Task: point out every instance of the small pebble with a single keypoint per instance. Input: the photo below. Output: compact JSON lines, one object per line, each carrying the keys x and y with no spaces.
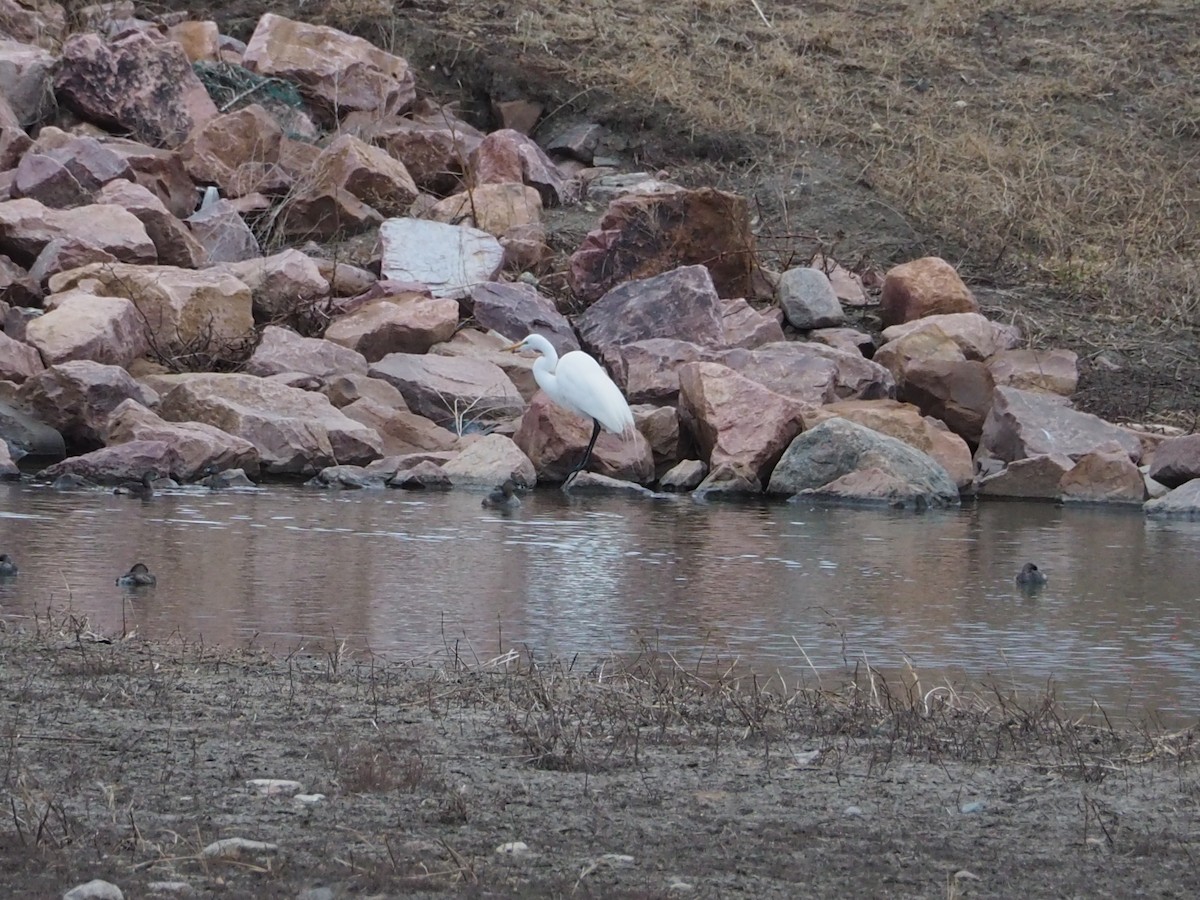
{"x":308,"y":799}
{"x":852,"y":811}
{"x":618,"y":859}
{"x":973,"y":807}
{"x":179,"y":888}
{"x":679,"y":887}
{"x":96,"y":889}
{"x":513,"y":848}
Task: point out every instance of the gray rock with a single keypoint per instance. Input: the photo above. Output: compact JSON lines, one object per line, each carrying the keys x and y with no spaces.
{"x":1183,"y":502}
{"x":449,"y":259}
{"x":684,"y":476}
{"x":96,"y":889}
{"x":1021,"y":424}
{"x":808,"y":299}
{"x":26,"y":436}
{"x":838,"y":448}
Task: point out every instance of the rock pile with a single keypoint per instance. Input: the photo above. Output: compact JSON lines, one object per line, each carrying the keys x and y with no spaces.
{"x":165,"y":195}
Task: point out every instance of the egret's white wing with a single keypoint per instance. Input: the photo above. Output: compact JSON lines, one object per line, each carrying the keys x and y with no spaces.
{"x":584,"y":386}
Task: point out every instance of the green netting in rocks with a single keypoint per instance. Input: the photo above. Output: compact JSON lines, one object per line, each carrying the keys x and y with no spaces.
{"x":232,"y":87}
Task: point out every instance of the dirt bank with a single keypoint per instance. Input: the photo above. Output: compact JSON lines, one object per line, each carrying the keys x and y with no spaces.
{"x":124,"y":760}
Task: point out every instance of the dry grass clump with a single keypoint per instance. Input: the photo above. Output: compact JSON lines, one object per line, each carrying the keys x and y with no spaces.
{"x":1054,"y":141}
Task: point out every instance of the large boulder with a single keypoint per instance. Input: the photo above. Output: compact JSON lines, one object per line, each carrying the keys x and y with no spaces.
{"x":26,"y":227}
{"x":736,"y":420}
{"x":924,"y":287}
{"x":748,"y":328}
{"x":120,"y":463}
{"x":491,"y":460}
{"x":296,"y":432}
{"x":77,"y":397}
{"x":234,"y":150}
{"x":808,"y":300}
{"x":643,"y":235}
{"x":134,"y":84}
{"x":183,"y":309}
{"x":1049,"y":371}
{"x":282,"y":350}
{"x":494,"y":208}
{"x":26,"y":435}
{"x":681,"y":304}
{"x":1183,"y":502}
{"x":959,"y":392}
{"x":194,"y":445}
{"x":399,"y":321}
{"x":1177,"y":460}
{"x":851,"y":462}
{"x":516,"y":310}
{"x":452,"y":391}
{"x":1033,"y":478}
{"x":976,"y":335}
{"x":555,"y":440}
{"x":81,"y":325}
{"x":284,"y":284}
{"x":1106,"y":475}
{"x":507,"y":156}
{"x":337,"y":71}
{"x":172,"y":240}
{"x":401,"y":431}
{"x":18,"y":360}
{"x":1021,"y":424}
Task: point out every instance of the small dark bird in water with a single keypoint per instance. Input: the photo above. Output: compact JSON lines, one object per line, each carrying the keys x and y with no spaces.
{"x":503,"y":497}
{"x":143,"y":488}
{"x":7,"y":566}
{"x":137,"y":576}
{"x":1031,"y":576}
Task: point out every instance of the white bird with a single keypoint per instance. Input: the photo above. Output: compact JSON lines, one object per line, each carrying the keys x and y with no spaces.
{"x":579,"y":384}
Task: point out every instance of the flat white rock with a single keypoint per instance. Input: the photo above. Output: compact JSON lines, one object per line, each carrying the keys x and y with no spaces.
{"x":449,"y":259}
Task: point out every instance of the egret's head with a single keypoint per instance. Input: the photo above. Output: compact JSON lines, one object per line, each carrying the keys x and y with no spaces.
{"x":534,"y":342}
{"x":518,"y":347}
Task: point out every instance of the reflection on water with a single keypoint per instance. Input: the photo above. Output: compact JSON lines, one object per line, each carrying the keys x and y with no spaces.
{"x":779,"y":587}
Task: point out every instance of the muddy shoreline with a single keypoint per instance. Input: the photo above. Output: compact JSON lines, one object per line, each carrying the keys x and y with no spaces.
{"x":125,"y":759}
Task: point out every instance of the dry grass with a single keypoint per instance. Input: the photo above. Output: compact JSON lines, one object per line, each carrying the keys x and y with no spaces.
{"x":1051,"y":141}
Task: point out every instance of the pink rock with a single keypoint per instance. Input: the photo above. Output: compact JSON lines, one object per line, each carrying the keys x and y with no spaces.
{"x":201,"y":41}
{"x":229,"y":150}
{"x":1033,"y":478}
{"x":282,"y":350}
{"x":958,"y":393}
{"x":27,"y":226}
{"x":1106,"y":475}
{"x":284,"y":284}
{"x":494,"y":208}
{"x":18,"y":360}
{"x":1026,"y":423}
{"x":172,"y":240}
{"x":1049,"y":371}
{"x":515,"y":310}
{"x":294,"y":431}
{"x":134,"y":84}
{"x":351,"y":166}
{"x":555,"y":439}
{"x":194,"y":445}
{"x":976,"y":336}
{"x":509,"y":156}
{"x":491,"y":460}
{"x":1177,"y":460}
{"x":747,"y":327}
{"x":681,"y":304}
{"x":518,"y":115}
{"x":924,"y":287}
{"x":83,"y":326}
{"x":64,"y":253}
{"x":161,"y":172}
{"x":338,"y":71}
{"x":77,"y":397}
{"x":123,"y":462}
{"x":401,"y":431}
{"x":406,"y":322}
{"x":643,"y":235}
{"x":735,"y":420}
{"x":49,"y":182}
{"x":452,"y":391}
{"x":434,"y":148}
{"x":26,"y":76}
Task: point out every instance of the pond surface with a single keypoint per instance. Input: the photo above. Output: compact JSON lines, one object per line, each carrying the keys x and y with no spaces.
{"x":808,"y":592}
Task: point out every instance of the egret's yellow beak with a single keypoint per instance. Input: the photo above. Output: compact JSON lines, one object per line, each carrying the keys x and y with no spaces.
{"x":512,"y":348}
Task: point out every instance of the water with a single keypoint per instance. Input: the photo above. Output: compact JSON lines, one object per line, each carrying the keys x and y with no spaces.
{"x":804,"y":591}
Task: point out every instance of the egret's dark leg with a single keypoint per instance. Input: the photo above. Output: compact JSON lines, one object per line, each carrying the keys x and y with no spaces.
{"x":587,"y":454}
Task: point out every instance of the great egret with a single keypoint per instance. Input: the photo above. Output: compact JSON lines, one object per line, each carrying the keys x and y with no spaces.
{"x":503,"y":497}
{"x":1031,"y":576}
{"x":579,"y":384}
{"x":7,"y":566}
{"x":137,"y":576}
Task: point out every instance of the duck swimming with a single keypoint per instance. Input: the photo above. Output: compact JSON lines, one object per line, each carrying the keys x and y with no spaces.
{"x":137,"y":576}
{"x":143,"y":488}
{"x":1031,"y":576}
{"x":7,"y":566}
{"x":503,"y":497}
